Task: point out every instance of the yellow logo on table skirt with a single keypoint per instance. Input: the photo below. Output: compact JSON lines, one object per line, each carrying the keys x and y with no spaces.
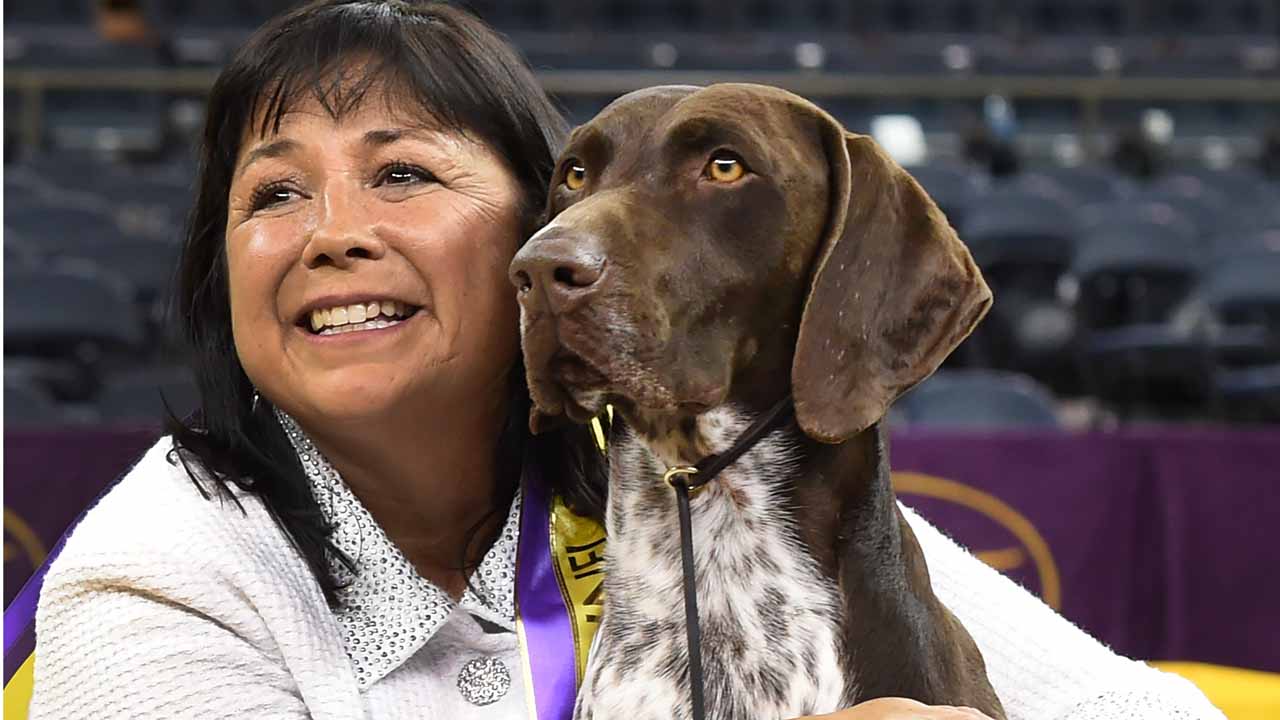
{"x":22,"y":547}
{"x":1016,"y":548}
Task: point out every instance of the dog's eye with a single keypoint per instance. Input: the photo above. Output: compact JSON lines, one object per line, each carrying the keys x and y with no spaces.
{"x":725,"y":167}
{"x":575,"y":175}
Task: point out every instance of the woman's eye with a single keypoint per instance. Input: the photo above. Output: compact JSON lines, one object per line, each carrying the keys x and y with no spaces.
{"x":575,"y":175}
{"x":271,"y":196}
{"x":404,"y":175}
{"x":725,"y":167}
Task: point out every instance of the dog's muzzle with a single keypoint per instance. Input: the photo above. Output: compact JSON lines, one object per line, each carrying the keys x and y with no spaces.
{"x":558,"y":271}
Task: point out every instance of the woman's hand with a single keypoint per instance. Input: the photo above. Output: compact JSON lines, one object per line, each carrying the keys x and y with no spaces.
{"x":902,"y":709}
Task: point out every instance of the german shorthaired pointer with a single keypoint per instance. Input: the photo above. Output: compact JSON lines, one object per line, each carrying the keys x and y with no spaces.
{"x":709,"y":250}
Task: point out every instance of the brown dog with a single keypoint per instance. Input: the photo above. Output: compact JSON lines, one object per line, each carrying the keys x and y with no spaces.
{"x":708,"y":251}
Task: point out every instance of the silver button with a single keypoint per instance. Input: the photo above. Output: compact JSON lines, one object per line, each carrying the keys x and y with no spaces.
{"x":484,"y":681}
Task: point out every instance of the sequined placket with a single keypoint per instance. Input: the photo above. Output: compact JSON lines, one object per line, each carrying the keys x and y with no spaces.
{"x":387,"y":611}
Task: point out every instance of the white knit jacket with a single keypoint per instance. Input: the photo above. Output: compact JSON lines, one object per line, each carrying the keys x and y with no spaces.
{"x":166,"y":605}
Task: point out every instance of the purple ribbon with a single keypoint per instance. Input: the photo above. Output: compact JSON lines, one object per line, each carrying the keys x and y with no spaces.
{"x":20,"y":622}
{"x":540,"y":606}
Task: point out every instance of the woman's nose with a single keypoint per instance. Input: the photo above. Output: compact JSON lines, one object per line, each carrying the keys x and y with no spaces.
{"x":342,"y":235}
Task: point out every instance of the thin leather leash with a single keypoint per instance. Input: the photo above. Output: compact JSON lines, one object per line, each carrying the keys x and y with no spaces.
{"x":686,"y":480}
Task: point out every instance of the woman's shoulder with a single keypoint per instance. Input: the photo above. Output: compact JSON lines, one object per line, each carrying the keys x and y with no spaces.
{"x":167,"y":509}
{"x":164,"y":596}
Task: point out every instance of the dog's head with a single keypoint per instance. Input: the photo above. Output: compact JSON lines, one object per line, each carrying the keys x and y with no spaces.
{"x":703,"y":243}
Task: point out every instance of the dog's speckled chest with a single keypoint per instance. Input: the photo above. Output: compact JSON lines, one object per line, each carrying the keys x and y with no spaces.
{"x":770,"y":619}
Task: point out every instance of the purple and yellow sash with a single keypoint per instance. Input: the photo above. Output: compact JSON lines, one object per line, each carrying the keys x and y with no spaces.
{"x":559,"y":574}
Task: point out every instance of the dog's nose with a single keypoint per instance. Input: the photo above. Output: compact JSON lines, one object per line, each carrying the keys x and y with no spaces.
{"x":563,"y":269}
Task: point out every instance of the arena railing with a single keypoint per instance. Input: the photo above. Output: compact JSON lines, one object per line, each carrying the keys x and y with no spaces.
{"x":1088,"y":92}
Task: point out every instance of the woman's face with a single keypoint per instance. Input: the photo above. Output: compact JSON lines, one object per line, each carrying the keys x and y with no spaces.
{"x":367,"y":260}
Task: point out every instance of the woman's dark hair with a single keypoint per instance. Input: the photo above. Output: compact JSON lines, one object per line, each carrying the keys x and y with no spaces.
{"x":436,"y":62}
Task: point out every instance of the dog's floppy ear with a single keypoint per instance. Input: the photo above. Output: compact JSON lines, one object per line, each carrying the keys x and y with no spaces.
{"x":894,"y":291}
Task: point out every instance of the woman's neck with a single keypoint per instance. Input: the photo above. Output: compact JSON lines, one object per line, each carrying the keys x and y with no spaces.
{"x":430,"y":484}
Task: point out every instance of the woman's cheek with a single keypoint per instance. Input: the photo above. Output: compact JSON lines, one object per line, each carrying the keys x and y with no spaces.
{"x":257,"y":265}
{"x":506,"y":307}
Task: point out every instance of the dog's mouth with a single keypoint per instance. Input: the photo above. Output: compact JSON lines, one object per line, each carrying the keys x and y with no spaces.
{"x":573,"y":372}
{"x":577,"y":366}
{"x":581,"y":386}
{"x":569,"y":381}
{"x":583,"y":389}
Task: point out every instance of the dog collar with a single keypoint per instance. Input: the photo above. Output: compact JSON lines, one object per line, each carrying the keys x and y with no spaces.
{"x":686,"y":480}
{"x":697,"y":476}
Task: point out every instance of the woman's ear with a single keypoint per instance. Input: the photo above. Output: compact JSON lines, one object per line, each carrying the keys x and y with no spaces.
{"x":894,"y":291}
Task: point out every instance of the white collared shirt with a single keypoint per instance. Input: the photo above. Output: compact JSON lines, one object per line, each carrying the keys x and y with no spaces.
{"x":168,"y":603}
{"x":400,"y":629}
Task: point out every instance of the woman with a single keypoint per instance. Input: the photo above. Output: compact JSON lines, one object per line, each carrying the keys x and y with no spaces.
{"x":348,"y":550}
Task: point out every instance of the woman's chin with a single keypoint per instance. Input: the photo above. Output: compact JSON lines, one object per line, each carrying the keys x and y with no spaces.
{"x":346,"y":404}
{"x":351,"y":415}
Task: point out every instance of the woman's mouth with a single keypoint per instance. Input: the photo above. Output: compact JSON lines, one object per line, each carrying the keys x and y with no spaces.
{"x":368,"y":315}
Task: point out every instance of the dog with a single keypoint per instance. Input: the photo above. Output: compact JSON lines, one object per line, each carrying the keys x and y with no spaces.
{"x":705,"y":252}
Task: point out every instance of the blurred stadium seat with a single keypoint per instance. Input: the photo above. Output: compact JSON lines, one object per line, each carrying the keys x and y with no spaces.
{"x":53,"y":229}
{"x":147,"y":395}
{"x":75,"y":315}
{"x":1243,"y":294}
{"x":1135,"y":350}
{"x":1205,"y":207}
{"x":1235,"y":242}
{"x":1077,"y":185}
{"x":52,"y":12}
{"x":1017,"y":226}
{"x":979,"y":400}
{"x":1137,"y":218}
{"x":53,"y":308}
{"x":27,"y":404}
{"x":147,"y":266}
{"x":953,"y":187}
{"x":1024,"y":242}
{"x":1250,"y":394}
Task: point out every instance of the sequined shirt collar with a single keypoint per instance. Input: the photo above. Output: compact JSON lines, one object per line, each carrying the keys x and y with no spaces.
{"x":387,"y":610}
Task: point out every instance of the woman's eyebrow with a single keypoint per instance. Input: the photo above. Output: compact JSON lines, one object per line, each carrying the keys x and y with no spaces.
{"x":270,"y":150}
{"x":389,"y":135}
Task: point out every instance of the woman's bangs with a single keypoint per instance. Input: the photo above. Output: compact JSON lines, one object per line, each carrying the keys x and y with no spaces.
{"x":353,"y":54}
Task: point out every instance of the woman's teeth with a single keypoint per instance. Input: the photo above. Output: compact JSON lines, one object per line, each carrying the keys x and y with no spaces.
{"x":362,"y":316}
{"x":367,"y":325}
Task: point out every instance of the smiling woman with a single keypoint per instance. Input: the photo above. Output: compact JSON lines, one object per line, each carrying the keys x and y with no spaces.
{"x":362,"y":154}
{"x":368,"y":170}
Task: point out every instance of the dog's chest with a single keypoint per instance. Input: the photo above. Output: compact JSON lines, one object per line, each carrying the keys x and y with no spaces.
{"x":769,"y":617}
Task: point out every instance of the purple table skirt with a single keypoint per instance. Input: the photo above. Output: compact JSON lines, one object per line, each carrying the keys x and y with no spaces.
{"x":1164,"y":543}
